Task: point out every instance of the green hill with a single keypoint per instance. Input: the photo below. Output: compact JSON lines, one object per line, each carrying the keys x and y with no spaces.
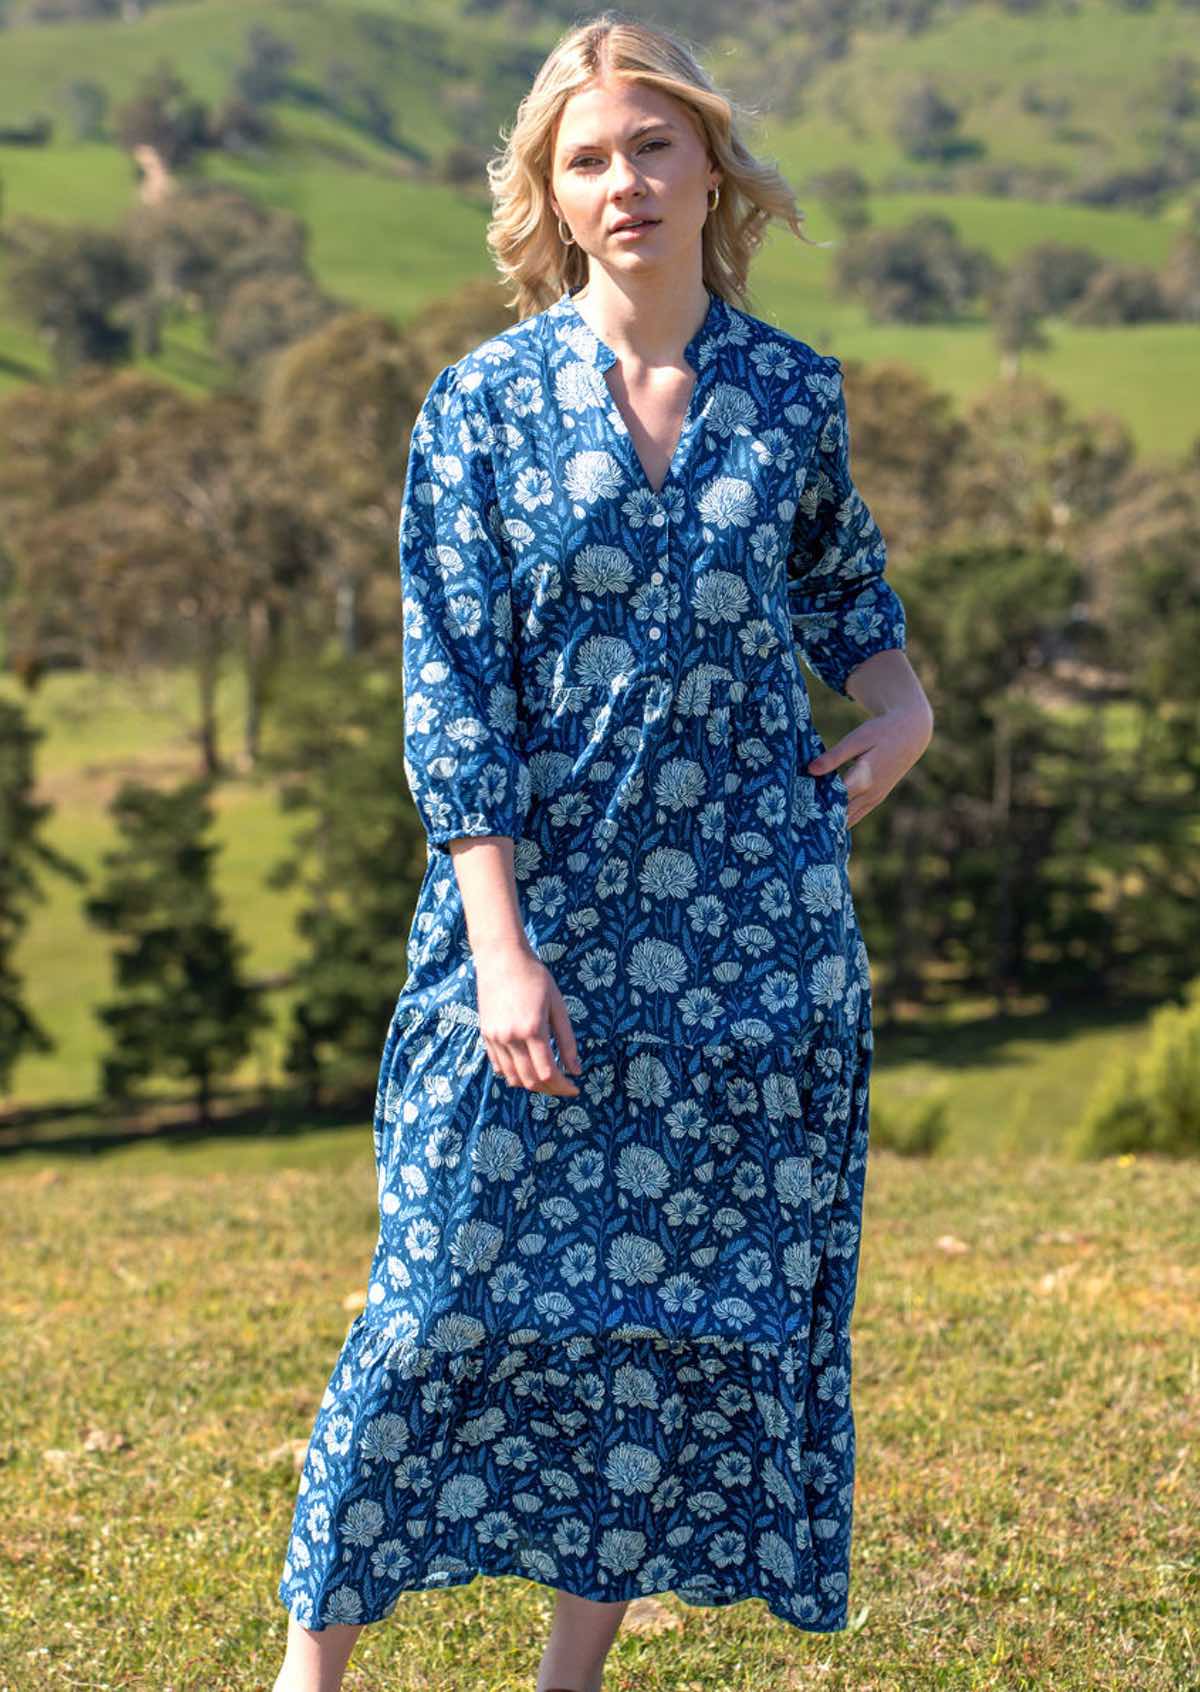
{"x":386,"y":233}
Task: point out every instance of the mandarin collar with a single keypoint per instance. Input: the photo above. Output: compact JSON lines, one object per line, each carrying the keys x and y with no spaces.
{"x":714,"y":320}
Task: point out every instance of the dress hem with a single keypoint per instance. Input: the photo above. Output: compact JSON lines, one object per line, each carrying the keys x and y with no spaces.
{"x":501,"y":1568}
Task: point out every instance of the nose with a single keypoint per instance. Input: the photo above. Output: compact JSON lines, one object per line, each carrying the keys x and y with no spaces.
{"x":624,"y":174}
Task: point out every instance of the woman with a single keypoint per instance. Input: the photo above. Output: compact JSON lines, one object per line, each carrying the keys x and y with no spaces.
{"x":621,"y":1126}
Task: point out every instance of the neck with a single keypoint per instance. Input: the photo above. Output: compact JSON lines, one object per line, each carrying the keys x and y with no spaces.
{"x":644,"y":321}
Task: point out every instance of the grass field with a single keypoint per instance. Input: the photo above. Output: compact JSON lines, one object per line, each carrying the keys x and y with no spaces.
{"x":1027,"y":1347}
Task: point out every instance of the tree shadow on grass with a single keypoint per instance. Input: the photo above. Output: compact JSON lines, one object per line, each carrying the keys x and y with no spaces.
{"x":17,"y":367}
{"x":81,"y":1131}
{"x":989,"y":1040}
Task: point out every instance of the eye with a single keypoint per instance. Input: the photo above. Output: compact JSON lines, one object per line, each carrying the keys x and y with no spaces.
{"x":590,"y":158}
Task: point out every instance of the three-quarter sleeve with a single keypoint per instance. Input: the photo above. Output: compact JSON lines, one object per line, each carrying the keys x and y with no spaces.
{"x":461,"y":754}
{"x":842,"y":609}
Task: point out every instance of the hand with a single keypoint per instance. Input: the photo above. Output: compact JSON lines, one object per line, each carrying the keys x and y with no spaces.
{"x":884,"y":748}
{"x":519,"y":1006}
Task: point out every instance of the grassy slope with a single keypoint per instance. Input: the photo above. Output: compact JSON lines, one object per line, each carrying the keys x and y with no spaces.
{"x":1025,"y":1413}
{"x":392,"y":244}
{"x":1106,"y":61}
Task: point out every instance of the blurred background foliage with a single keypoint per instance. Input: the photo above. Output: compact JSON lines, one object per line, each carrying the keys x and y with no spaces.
{"x":236,"y":244}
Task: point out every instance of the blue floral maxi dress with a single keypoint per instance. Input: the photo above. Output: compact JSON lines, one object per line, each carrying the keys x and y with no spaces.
{"x":605,"y":1344}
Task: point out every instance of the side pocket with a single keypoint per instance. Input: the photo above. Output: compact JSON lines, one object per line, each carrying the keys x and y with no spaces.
{"x":832,"y":785}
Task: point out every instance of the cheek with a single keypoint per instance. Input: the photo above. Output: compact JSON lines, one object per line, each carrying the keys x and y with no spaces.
{"x":576,"y":203}
{"x":689,"y":182}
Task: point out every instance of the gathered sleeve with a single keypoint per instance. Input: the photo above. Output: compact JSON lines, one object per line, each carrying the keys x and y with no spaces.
{"x":841,"y":608}
{"x":461,"y":747}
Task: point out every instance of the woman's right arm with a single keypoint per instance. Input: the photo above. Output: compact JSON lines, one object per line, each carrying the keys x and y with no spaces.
{"x":519,"y":1001}
{"x":462,"y":756}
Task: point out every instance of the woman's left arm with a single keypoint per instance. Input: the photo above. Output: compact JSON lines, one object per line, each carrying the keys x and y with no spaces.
{"x":889,"y":742}
{"x":849,"y":621}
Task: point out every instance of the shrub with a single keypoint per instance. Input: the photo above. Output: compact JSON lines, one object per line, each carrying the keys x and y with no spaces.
{"x":1150,"y":1100}
{"x":916,"y":1131}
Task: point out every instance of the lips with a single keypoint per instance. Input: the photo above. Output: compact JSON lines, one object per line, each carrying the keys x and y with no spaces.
{"x":634,"y":223}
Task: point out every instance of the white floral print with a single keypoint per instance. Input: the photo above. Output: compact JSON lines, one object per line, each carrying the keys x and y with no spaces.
{"x":605,"y":1343}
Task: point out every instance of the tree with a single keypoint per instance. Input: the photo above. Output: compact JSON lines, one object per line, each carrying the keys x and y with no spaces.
{"x":22,"y":818}
{"x":463,"y":165}
{"x":1181,"y":275}
{"x":264,"y":313}
{"x":1051,"y":275}
{"x":64,"y":11}
{"x":336,"y":756}
{"x":1147,"y":1099}
{"x":919,"y":273}
{"x":926,"y":124}
{"x":844,"y":191}
{"x":242,"y":127}
{"x":86,"y":103}
{"x":337,"y":408}
{"x":964,"y":860}
{"x":1179,"y":91}
{"x":147,"y":529}
{"x":182,"y":1007}
{"x":262,"y":75}
{"x":907,"y":440}
{"x":1122,"y":293}
{"x":1029,"y":472}
{"x":164,"y":115}
{"x":359,"y":101}
{"x":208,"y":566}
{"x":72,"y":285}
{"x":61,"y":449}
{"x":1015,"y":324}
{"x":206,"y":239}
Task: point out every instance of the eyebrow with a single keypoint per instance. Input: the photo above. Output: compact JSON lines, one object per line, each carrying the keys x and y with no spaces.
{"x":656,"y":123}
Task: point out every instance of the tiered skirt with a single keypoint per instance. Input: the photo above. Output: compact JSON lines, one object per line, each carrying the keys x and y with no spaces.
{"x":606,"y":1341}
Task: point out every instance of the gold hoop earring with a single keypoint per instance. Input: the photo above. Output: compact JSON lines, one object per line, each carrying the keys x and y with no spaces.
{"x":713,"y":204}
{"x":568,"y":240}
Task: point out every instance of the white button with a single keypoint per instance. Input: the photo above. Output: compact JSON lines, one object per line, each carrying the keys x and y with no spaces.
{"x":657,"y":576}
{"x":654,"y":633}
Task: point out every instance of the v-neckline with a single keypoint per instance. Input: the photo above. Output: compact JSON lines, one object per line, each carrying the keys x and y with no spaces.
{"x":605,"y":357}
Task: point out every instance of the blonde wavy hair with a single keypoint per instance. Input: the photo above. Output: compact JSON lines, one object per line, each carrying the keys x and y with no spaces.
{"x":522,"y":235}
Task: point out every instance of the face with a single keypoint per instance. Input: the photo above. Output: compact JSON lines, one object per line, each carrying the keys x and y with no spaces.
{"x":623,"y":150}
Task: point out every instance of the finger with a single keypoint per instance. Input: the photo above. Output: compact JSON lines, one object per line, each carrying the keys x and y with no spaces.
{"x":501,"y":1061}
{"x":549,"y":1078}
{"x":834,"y":756}
{"x":560,"y":1024}
{"x":856,"y":813}
{"x":509,"y":1050}
{"x":522,"y":1061}
{"x":513,"y":1059}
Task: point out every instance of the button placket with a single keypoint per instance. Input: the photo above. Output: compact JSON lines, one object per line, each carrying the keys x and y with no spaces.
{"x":658,"y":553}
{"x":665,"y":559}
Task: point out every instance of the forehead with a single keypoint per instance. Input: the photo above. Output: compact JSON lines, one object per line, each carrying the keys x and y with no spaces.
{"x":615,"y":109}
